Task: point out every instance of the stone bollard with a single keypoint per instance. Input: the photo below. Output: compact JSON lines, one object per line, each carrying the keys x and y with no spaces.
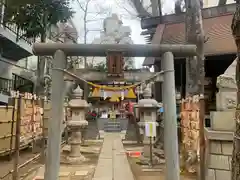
{"x":147,"y":108}
{"x":77,"y":124}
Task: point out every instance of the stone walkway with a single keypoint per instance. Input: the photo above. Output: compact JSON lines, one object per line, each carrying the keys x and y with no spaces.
{"x":113,"y":163}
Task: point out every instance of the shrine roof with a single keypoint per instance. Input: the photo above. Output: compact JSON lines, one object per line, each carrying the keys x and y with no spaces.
{"x":218,"y":35}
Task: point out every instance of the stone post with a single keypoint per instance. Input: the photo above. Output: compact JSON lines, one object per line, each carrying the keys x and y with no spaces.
{"x":148,"y":113}
{"x":76,"y":125}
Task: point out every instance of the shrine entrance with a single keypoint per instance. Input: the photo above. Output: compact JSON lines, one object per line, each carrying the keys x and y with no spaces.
{"x":115,"y":53}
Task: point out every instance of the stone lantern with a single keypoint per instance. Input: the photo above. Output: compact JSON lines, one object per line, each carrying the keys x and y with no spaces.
{"x":76,"y":125}
{"x":147,"y":110}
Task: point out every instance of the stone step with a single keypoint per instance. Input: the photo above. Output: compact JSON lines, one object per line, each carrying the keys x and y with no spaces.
{"x":112,"y":127}
{"x":112,"y":124}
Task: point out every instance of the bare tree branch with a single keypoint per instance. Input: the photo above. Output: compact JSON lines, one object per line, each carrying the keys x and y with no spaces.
{"x":81,"y":6}
{"x":142,"y":12}
{"x":129,"y":12}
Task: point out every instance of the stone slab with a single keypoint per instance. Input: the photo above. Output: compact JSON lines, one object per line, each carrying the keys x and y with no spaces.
{"x":227,"y":148}
{"x":219,"y":162}
{"x":152,"y":169}
{"x":80,"y":175}
{"x":222,"y":120}
{"x":62,"y":176}
{"x":218,"y":135}
{"x":223,"y":175}
{"x":113,"y":163}
{"x":210,"y":174}
{"x":215,"y":147}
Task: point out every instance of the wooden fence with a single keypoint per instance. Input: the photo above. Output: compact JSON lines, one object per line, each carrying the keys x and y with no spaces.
{"x":30,"y":116}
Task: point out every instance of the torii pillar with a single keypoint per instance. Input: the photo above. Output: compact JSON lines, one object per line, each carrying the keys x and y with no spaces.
{"x":60,"y":53}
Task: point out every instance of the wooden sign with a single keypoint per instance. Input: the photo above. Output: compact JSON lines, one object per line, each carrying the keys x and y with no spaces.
{"x":115,"y":64}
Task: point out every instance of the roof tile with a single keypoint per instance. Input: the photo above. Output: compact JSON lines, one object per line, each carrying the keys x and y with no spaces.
{"x":217,"y":32}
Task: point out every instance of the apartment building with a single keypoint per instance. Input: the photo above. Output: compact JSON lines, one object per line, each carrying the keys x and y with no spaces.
{"x":17,"y":49}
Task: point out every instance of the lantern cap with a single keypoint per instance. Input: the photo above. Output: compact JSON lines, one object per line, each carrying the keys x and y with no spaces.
{"x":148,"y":102}
{"x":147,"y":93}
{"x":78,"y":93}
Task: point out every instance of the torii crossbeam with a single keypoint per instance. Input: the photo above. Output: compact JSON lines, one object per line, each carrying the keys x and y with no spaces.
{"x":61,"y":51}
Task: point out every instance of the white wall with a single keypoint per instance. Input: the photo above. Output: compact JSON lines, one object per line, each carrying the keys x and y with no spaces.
{"x":212,"y":3}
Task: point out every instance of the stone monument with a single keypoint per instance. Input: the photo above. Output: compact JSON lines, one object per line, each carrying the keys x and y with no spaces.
{"x":220,"y":135}
{"x":114,"y":33}
{"x":77,"y":124}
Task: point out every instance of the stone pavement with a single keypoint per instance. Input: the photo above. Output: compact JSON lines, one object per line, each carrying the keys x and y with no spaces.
{"x":113,"y":163}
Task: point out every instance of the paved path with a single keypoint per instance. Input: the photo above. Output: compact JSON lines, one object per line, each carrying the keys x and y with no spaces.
{"x":113,"y":163}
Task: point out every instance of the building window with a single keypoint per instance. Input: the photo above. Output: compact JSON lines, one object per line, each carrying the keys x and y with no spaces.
{"x":5,"y":85}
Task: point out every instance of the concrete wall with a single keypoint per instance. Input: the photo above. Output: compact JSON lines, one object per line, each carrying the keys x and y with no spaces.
{"x":219,"y":145}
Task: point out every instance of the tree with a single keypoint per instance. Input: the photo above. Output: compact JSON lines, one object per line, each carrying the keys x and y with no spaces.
{"x":35,"y":18}
{"x":101,"y":67}
{"x":236,"y":145}
{"x":91,"y":16}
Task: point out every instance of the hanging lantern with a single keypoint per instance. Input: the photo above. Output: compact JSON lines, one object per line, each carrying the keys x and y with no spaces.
{"x":131,"y":94}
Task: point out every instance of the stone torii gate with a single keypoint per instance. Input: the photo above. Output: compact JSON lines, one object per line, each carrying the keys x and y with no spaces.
{"x":60,"y":53}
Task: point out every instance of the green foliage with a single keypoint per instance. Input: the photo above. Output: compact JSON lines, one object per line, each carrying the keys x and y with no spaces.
{"x":36,"y":16}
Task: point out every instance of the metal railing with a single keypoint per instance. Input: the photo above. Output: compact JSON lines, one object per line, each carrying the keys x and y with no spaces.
{"x":13,"y":28}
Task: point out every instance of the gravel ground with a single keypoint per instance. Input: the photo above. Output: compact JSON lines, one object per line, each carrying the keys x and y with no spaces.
{"x":141,"y":175}
{"x":7,"y":165}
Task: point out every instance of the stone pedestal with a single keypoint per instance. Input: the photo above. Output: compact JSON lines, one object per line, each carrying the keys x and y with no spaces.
{"x":220,"y":145}
{"x":75,"y":141}
{"x":219,"y":154}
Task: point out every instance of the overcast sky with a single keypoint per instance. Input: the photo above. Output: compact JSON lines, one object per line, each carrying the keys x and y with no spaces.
{"x":125,"y":12}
